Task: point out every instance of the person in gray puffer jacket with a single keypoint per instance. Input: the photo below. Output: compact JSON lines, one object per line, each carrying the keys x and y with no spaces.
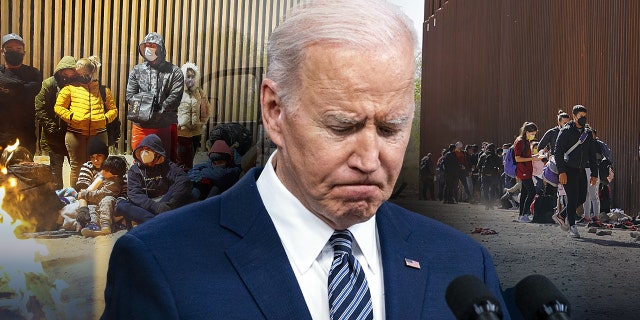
{"x":165,"y":80}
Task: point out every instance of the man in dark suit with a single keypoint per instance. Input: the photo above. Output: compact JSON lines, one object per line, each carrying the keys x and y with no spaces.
{"x":337,"y":101}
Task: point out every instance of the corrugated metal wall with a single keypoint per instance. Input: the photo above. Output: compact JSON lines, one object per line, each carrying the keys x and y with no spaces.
{"x":493,"y":64}
{"x":226,"y":39}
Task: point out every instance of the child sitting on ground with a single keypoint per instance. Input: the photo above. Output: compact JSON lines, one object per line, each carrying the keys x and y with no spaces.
{"x":95,"y":205}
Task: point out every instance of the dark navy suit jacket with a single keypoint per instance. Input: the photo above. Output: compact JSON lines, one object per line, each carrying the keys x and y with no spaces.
{"x":221,"y":258}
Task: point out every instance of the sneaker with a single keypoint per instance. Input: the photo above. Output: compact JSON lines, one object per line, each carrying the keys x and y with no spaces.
{"x":94,"y":232}
{"x":524,"y":218}
{"x":562,"y":222}
{"x":573,"y":232}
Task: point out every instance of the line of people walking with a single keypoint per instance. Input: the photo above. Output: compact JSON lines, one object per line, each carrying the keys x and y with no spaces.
{"x":567,"y":172}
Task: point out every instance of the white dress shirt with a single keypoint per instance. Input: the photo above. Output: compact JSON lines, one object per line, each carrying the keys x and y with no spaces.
{"x":305,"y":238}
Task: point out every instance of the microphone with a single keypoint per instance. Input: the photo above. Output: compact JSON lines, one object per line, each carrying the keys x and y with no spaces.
{"x":469,"y":299}
{"x":538,"y":299}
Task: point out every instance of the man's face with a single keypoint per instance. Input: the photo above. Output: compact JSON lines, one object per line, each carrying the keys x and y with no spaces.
{"x":342,"y":142}
{"x":576,"y":117}
{"x":10,"y":50}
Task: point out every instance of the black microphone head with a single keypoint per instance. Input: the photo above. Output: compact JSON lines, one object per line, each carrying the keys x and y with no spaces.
{"x":537,"y":298}
{"x":467,"y":297}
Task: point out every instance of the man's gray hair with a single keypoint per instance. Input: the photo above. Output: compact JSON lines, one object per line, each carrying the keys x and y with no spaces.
{"x":359,"y":24}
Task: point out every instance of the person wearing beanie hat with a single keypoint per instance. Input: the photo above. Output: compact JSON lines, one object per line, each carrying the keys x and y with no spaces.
{"x":19,"y":84}
{"x":97,"y":152}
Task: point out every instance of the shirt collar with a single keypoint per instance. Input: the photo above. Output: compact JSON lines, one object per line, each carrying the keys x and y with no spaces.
{"x":302,"y":233}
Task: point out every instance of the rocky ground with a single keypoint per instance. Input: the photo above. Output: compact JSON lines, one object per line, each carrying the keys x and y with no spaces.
{"x":596,"y":273}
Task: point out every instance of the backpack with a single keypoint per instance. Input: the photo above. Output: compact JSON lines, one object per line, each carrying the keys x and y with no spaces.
{"x":113,"y":127}
{"x":232,"y":133}
{"x":510,"y":163}
{"x":491,"y":164}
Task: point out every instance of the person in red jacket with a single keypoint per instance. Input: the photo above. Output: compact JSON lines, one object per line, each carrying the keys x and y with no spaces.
{"x":524,"y":168}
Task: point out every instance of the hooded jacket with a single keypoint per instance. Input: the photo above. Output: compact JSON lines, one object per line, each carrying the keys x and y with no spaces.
{"x":53,"y":127}
{"x":582,"y":156}
{"x":161,"y":78}
{"x":206,"y":175}
{"x":144,"y":183}
{"x":194,"y":106}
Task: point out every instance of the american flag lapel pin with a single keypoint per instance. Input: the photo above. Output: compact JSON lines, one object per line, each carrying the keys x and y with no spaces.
{"x":411,"y":263}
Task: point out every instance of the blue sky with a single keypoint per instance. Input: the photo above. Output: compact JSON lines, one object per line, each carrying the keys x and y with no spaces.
{"x":415,"y":10}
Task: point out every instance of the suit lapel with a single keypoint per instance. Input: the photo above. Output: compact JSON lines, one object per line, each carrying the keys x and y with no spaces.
{"x":403,"y":284}
{"x":259,"y":257}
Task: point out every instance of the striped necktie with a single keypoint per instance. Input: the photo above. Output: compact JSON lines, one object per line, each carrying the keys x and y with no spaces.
{"x":349,"y":296}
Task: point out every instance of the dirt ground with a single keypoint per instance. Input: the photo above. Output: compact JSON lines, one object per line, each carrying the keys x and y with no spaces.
{"x":596,"y":273}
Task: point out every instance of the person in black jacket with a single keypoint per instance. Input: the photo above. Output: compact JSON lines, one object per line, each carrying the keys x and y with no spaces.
{"x":489,"y":167}
{"x":571,"y":166}
{"x":19,"y":84}
{"x":154,"y":183}
{"x":451,"y":174}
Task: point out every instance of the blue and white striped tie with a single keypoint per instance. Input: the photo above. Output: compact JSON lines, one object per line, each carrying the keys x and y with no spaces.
{"x":349,"y":296}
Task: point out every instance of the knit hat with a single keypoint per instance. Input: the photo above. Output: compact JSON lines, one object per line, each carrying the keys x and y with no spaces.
{"x":97,"y":146}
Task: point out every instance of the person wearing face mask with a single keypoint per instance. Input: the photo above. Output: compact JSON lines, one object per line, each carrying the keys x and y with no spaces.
{"x":524,"y":169}
{"x":192,"y":116}
{"x":81,"y":106}
{"x":53,"y":128}
{"x":155,"y":184}
{"x":19,"y":84}
{"x":575,"y":149}
{"x":165,"y":81}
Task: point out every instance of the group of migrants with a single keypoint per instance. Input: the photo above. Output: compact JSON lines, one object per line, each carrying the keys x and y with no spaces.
{"x":564,"y":177}
{"x":76,"y":117}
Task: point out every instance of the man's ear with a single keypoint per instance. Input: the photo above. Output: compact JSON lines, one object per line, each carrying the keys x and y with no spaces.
{"x":272,"y":110}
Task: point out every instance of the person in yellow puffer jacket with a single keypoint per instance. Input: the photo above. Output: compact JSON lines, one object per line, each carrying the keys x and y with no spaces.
{"x":80,"y":105}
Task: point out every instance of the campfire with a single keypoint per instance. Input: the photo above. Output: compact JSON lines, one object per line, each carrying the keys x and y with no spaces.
{"x":26,"y":292}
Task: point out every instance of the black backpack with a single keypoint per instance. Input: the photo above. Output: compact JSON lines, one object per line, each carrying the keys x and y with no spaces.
{"x":491,"y":166}
{"x":232,"y":133}
{"x":113,"y":127}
